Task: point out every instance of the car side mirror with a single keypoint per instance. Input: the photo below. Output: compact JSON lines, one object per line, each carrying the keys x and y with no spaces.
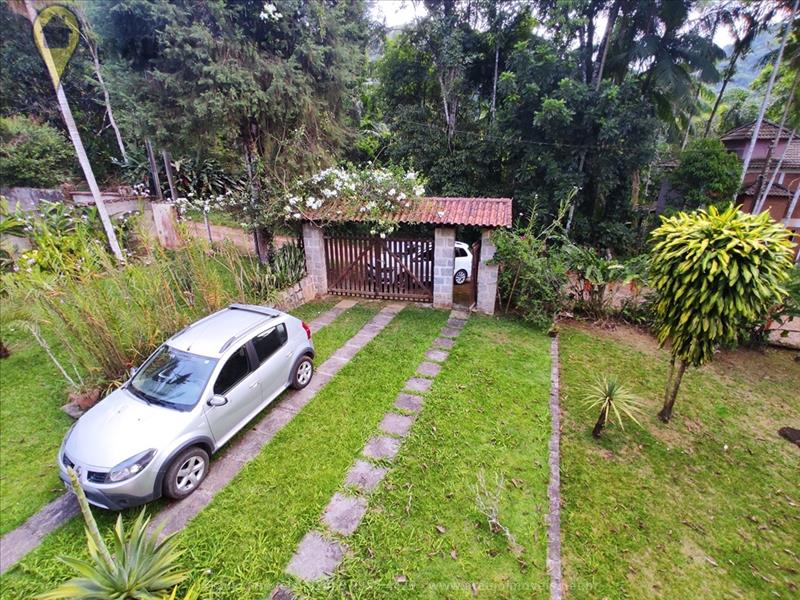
{"x":217,"y":400}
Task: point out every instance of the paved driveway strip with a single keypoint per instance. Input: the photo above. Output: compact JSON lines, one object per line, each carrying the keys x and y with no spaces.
{"x":320,"y":551}
{"x":15,"y":544}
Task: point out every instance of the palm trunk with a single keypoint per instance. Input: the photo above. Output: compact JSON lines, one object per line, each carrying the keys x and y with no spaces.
{"x":494,"y":79}
{"x":792,"y":206}
{"x":106,"y":98}
{"x":601,"y":421}
{"x":671,"y":393}
{"x":775,"y":67}
{"x":72,"y":128}
{"x":762,"y":199}
{"x":726,"y":79}
{"x":775,"y":141}
{"x":597,"y":76}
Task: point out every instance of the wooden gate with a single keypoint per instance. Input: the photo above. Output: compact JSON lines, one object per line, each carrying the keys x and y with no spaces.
{"x":394,"y":268}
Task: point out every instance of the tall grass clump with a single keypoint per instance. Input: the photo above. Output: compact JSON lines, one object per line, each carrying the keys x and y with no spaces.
{"x":110,"y":321}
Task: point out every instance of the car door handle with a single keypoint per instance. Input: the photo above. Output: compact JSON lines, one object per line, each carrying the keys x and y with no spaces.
{"x":253,"y":385}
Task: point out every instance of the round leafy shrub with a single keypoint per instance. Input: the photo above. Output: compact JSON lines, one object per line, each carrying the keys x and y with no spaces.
{"x":33,"y":154}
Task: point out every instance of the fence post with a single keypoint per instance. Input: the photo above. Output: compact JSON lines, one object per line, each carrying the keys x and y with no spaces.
{"x":314,"y":245}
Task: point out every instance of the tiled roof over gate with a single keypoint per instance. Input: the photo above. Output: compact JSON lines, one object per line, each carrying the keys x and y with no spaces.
{"x":480,"y":212}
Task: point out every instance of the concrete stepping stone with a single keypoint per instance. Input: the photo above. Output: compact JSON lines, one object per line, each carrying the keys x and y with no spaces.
{"x":437,"y":355}
{"x":408,"y":402}
{"x":365,"y":476}
{"x":346,"y":303}
{"x":418,"y":384}
{"x":459,"y":314}
{"x":428,"y":369}
{"x":395,"y":424}
{"x":316,"y":557}
{"x":441,"y":342}
{"x":344,"y":513}
{"x":382,"y":447}
{"x":456,"y":323}
{"x":450,"y":332}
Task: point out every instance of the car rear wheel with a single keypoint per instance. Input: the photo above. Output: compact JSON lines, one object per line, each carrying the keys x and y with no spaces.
{"x":460,"y":277}
{"x":303,"y":372}
{"x":186,"y":473}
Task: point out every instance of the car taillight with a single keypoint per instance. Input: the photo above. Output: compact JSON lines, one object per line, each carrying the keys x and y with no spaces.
{"x":308,"y":329}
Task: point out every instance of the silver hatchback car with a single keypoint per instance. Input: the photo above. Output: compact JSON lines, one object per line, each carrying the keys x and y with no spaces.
{"x":155,"y":434}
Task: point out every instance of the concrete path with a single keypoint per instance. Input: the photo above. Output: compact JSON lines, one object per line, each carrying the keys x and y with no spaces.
{"x":554,"y":487}
{"x":321,"y":551}
{"x":15,"y":544}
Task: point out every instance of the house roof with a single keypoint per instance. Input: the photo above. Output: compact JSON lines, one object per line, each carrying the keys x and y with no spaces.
{"x":480,"y":212}
{"x":745,"y":132}
{"x":776,"y":191}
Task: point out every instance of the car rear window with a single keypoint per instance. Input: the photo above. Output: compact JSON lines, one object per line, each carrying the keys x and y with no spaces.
{"x":268,"y":343}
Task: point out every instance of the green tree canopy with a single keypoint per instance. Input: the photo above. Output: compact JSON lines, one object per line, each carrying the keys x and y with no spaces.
{"x":707,"y":173}
{"x":714,"y":272}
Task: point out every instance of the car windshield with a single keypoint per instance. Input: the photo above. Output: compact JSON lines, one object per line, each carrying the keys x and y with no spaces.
{"x":172,"y":378}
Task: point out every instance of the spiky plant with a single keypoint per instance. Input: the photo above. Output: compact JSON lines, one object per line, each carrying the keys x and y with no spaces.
{"x":609,"y":395}
{"x":140,"y":567}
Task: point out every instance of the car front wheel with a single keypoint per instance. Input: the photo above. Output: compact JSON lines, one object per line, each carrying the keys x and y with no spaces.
{"x":302,"y":373}
{"x":460,"y":277}
{"x":186,"y":473}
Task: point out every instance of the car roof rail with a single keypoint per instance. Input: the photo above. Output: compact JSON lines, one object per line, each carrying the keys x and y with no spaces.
{"x":262,"y":310}
{"x":227,"y":344}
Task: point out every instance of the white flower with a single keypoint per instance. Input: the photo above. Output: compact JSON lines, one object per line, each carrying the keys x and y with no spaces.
{"x":296,"y":215}
{"x":392,"y":192}
{"x":383,"y":235}
{"x":407,"y":204}
{"x":419,"y":190}
{"x":270,"y":13}
{"x":440,"y":213}
{"x":401,"y":196}
{"x":411,"y":175}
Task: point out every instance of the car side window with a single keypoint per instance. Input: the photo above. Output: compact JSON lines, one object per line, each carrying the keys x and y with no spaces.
{"x":268,"y":343}
{"x":460,"y":253}
{"x":233,"y":371}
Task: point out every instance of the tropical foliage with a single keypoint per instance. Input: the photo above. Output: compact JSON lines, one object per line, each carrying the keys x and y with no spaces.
{"x":34,"y":154}
{"x":613,"y":400}
{"x":706,"y":174}
{"x":137,"y":565}
{"x":714,"y":271}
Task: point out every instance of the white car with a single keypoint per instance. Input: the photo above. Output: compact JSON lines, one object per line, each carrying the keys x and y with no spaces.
{"x":462,"y":269}
{"x":391,"y":270}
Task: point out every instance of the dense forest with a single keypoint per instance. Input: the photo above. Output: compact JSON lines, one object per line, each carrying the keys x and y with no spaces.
{"x":483,"y":97}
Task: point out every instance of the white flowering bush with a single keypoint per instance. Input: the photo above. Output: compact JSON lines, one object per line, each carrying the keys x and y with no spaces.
{"x":270,"y":12}
{"x":372,"y":194}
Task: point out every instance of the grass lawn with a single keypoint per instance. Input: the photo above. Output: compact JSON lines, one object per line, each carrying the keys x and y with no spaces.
{"x":707,"y":506}
{"x":487,"y":412}
{"x":239,"y":545}
{"x":32,"y":393}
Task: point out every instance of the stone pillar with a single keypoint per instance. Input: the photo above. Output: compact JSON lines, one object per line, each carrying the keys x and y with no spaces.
{"x":314,"y":246}
{"x":443,"y":264}
{"x":487,"y":275}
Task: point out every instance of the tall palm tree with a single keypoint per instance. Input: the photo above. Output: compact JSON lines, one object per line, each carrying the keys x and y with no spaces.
{"x":72,"y":129}
{"x":776,"y":66}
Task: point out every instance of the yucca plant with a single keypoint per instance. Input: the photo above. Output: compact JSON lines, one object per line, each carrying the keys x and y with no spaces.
{"x":609,"y":395}
{"x":714,"y":272}
{"x":140,"y":567}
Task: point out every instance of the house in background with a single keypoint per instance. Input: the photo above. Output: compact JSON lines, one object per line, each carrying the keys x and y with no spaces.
{"x":783,"y":195}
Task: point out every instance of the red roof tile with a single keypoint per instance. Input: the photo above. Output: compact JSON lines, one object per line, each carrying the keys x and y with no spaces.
{"x":745,"y":132}
{"x":777,"y":190}
{"x":480,"y":212}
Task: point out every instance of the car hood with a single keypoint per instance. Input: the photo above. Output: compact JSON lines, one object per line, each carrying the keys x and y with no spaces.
{"x":121,"y":426}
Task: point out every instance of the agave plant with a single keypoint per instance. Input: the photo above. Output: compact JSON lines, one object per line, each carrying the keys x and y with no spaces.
{"x":140,"y":567}
{"x":609,"y":396}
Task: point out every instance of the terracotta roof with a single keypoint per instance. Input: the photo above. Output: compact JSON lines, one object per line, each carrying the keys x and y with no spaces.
{"x":745,"y":132}
{"x":776,"y":191}
{"x":480,"y":212}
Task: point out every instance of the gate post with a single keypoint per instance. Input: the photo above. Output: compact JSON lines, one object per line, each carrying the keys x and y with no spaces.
{"x":487,"y":275}
{"x":314,"y":246}
{"x":444,"y":243}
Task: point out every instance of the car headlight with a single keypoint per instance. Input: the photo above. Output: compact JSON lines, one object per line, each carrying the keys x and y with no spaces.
{"x":128,"y":468}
